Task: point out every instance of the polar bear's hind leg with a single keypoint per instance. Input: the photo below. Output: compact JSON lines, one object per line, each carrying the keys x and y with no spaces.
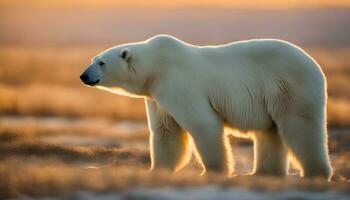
{"x":307,"y":140}
{"x":214,"y":151}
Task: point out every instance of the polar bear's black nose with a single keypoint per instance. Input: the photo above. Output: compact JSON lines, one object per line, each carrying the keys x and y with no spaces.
{"x":84,"y":78}
{"x":87,"y":80}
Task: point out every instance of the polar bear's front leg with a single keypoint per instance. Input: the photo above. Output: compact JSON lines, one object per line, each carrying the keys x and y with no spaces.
{"x":196,"y":115}
{"x":270,"y":154}
{"x":213,"y":148}
{"x":169,"y":144}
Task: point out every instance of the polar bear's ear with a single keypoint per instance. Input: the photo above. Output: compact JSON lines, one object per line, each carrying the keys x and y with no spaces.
{"x":125,"y":54}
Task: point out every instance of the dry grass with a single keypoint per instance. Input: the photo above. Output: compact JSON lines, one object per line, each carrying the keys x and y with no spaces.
{"x":70,"y":154}
{"x":45,"y":82}
{"x":48,"y":100}
{"x":338,"y":111}
{"x":24,"y":128}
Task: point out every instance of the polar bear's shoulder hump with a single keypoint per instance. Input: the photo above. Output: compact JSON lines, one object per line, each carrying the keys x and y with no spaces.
{"x":164,"y":40}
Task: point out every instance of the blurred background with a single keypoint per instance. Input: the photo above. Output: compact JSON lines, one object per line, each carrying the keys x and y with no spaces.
{"x":51,"y":125}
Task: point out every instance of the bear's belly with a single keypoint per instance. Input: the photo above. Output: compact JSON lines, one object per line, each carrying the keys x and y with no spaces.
{"x":249,"y":122}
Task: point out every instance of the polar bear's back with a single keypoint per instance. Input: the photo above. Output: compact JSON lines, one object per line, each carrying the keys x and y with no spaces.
{"x":265,"y":54}
{"x":260,"y":76}
{"x":260,"y":56}
{"x":265,"y":60}
{"x":269,"y":54}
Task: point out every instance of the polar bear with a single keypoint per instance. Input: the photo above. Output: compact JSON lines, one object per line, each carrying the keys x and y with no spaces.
{"x":265,"y":89}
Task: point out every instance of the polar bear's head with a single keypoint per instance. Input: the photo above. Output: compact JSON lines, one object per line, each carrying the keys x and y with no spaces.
{"x":122,"y":69}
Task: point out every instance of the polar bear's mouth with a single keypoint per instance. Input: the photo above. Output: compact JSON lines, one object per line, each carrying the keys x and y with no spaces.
{"x":92,"y":83}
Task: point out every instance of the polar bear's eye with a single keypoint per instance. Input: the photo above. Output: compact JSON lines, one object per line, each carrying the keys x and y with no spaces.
{"x":101,"y":63}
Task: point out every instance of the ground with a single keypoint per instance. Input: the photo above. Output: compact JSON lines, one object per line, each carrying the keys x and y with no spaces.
{"x":86,"y":158}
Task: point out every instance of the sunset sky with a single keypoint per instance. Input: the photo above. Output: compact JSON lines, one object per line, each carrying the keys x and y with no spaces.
{"x":254,"y":4}
{"x":312,"y":22}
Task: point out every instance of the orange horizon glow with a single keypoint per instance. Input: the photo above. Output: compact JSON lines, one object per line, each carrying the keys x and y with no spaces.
{"x":256,"y":4}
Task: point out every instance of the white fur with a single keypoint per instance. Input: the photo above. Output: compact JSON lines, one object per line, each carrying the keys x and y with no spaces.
{"x":269,"y":90}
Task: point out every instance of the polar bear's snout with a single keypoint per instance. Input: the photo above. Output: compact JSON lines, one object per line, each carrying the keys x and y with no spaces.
{"x":88,"y":78}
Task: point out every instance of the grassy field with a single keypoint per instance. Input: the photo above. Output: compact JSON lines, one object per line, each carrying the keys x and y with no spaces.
{"x":58,"y":137}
